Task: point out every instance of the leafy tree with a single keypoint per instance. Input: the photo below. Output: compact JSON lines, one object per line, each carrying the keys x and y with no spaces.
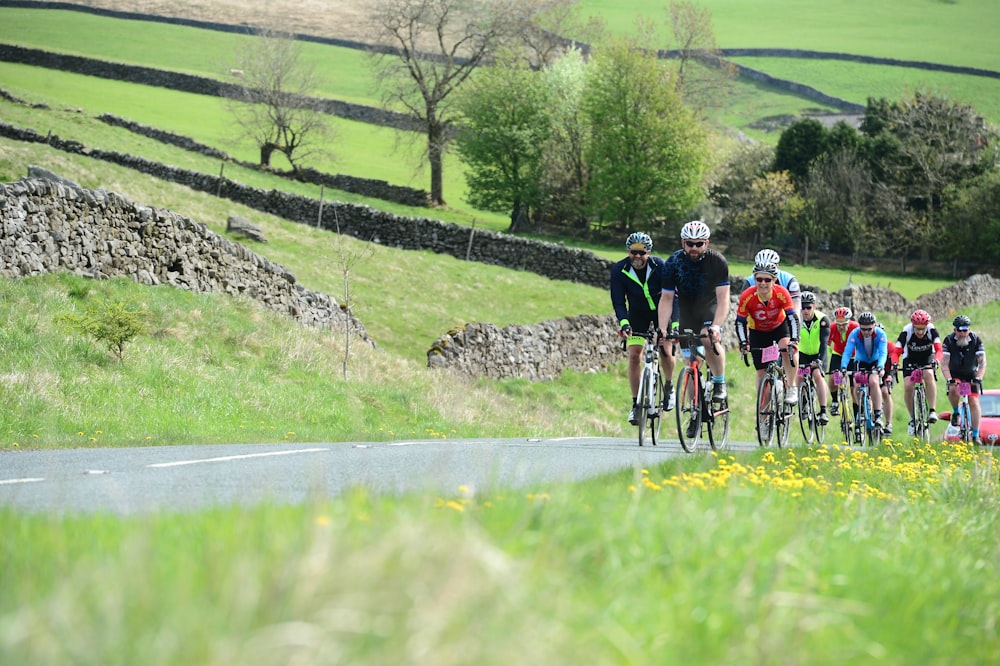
{"x":435,"y":46}
{"x":771,"y":206}
{"x":110,"y":323}
{"x":924,"y":145}
{"x":647,"y":151}
{"x":274,"y":108}
{"x":504,"y":130}
{"x":565,"y":172}
{"x":838,"y":189}
{"x":798,"y":146}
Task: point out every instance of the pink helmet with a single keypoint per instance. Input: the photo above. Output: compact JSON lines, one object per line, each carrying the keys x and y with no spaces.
{"x":920,"y":318}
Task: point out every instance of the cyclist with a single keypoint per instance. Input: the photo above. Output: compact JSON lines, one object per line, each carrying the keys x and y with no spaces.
{"x":964,"y":359}
{"x":699,"y":277}
{"x":867,"y":348}
{"x":786,"y":280}
{"x":920,"y":344}
{"x":635,"y":294}
{"x":813,"y":347}
{"x":765,"y":315}
{"x":842,"y":327}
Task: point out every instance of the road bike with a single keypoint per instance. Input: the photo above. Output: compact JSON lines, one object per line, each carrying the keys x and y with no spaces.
{"x":842,"y":382}
{"x":865,"y":430}
{"x":774,"y":415}
{"x":695,"y":406}
{"x":964,"y":411}
{"x":650,"y":401}
{"x":812,"y":429}
{"x":921,"y":428}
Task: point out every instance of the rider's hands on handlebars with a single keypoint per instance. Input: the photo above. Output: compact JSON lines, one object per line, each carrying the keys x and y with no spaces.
{"x":626,"y":331}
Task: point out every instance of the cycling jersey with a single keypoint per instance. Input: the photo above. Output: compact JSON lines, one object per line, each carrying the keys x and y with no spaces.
{"x":695,"y":281}
{"x":963,"y":361}
{"x":635,"y":295}
{"x":837,"y":339}
{"x":814,"y":335}
{"x":872,"y":351}
{"x":761,"y":315}
{"x":917,"y":351}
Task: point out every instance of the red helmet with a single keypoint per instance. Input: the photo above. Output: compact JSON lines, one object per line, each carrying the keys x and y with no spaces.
{"x":842,"y":314}
{"x":920,"y":318}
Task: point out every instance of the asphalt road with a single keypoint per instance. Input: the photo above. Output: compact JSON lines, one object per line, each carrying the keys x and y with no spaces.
{"x":176,"y":478}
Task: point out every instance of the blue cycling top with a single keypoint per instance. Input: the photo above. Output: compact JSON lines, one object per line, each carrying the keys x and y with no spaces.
{"x":873,"y":349}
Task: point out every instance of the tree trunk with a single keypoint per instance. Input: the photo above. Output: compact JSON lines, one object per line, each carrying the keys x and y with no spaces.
{"x":265,"y":154}
{"x":435,"y":149}
{"x":805,"y":253}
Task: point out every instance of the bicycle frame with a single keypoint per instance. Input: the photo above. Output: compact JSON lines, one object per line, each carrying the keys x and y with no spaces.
{"x":842,"y":381}
{"x":694,"y":406}
{"x":921,"y":428}
{"x":651,"y":390}
{"x":812,"y":429}
{"x":773,"y":415}
{"x":964,"y":412}
{"x":864,"y":420}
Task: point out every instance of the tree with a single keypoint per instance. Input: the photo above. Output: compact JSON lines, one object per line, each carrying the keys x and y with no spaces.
{"x":274,"y":108}
{"x":505,"y":127}
{"x":647,"y":151}
{"x":770,"y":207}
{"x":703,"y":77}
{"x":436,"y":45}
{"x":927,"y":144}
{"x":838,"y":190}
{"x":799,"y":144}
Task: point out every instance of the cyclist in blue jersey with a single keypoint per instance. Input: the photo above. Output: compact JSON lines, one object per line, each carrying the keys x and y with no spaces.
{"x":866,"y":350}
{"x":636,"y":285}
{"x":697,"y":278}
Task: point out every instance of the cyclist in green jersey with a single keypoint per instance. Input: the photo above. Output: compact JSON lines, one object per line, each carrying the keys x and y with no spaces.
{"x":813,"y":337}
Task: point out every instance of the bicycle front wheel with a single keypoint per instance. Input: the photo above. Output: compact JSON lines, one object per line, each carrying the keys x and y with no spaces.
{"x":845,"y":417}
{"x":807,"y":412}
{"x":642,"y":403}
{"x":921,"y":428}
{"x":767,"y":410}
{"x":718,"y":423}
{"x":657,"y":398}
{"x":687,"y":408}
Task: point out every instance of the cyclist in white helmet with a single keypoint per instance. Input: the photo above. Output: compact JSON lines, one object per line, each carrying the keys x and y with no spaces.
{"x":699,"y":277}
{"x":635,"y":292}
{"x":789,"y":282}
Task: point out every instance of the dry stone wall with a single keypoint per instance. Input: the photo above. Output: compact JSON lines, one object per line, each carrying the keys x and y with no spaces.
{"x":48,"y":227}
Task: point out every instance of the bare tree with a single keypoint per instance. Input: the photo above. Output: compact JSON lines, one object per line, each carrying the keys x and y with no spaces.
{"x":435,"y":45}
{"x":274,"y":108}
{"x":703,"y":77}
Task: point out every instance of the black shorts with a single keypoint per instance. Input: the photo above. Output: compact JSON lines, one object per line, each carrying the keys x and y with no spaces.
{"x":806,"y":359}
{"x":976,"y":388}
{"x":835,"y":361}
{"x":696,"y":317}
{"x":760,"y":339}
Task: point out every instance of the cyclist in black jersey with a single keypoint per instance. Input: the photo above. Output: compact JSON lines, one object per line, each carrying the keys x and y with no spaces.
{"x":964,"y":359}
{"x":920,"y":343}
{"x":697,"y":277}
{"x":636,"y":285}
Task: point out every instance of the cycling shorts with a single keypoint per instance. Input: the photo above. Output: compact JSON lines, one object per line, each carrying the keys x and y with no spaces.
{"x":759,"y":339}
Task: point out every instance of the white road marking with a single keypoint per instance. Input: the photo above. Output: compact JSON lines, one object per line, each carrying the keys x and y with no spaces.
{"x":7,"y":482}
{"x":227,"y":458}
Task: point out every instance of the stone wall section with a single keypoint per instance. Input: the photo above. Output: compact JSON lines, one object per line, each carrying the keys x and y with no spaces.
{"x":48,"y":227}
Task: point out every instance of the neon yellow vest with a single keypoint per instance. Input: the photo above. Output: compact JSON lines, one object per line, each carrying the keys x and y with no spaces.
{"x":809,"y":335}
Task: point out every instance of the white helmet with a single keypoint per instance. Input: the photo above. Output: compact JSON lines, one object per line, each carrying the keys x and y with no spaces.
{"x":695,"y":230}
{"x":767,"y":256}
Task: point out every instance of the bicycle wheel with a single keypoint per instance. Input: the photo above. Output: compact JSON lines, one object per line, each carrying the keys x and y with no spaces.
{"x":687,"y":407}
{"x":642,"y":404}
{"x":966,"y":416}
{"x":767,"y":410}
{"x":870,"y":431}
{"x":784,"y":420}
{"x":718,"y":423}
{"x":807,"y":411}
{"x":920,"y":427}
{"x":656,"y":415}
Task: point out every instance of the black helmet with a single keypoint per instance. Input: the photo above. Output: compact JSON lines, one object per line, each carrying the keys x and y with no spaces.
{"x":866,"y":319}
{"x":962,"y":320}
{"x":808,"y":298}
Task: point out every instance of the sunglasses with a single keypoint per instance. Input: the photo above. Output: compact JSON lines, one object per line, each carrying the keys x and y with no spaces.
{"x":963,"y":329}
{"x":765,"y":280}
{"x":866,"y":330}
{"x":638,"y":253}
{"x":807,"y":307}
{"x":694,"y":243}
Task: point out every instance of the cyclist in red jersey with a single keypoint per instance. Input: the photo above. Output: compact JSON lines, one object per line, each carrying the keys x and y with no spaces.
{"x":843,"y":325}
{"x":765,"y":315}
